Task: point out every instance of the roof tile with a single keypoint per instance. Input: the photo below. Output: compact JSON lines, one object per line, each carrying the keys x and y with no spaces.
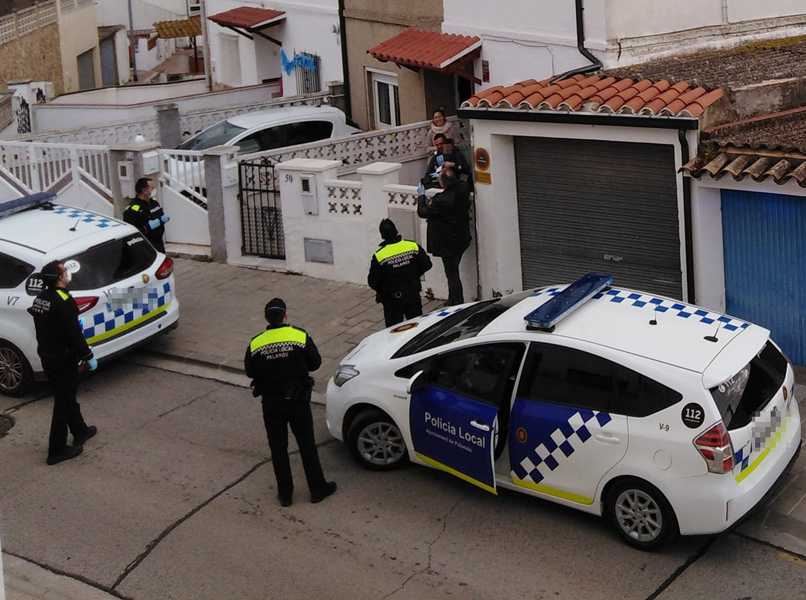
{"x":246,"y":17}
{"x":176,"y":29}
{"x":429,"y":49}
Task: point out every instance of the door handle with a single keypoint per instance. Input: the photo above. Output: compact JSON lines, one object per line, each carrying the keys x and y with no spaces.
{"x":479,"y":425}
{"x":607,"y":438}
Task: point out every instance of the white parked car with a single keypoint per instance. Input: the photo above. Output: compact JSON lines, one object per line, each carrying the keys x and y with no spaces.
{"x":124,"y":288}
{"x":257,"y":131}
{"x":661,"y":416}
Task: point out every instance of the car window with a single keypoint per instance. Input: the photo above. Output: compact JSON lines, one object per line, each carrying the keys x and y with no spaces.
{"x":248,"y":144}
{"x":308,"y":131}
{"x":479,"y":372}
{"x":640,"y":396}
{"x":217,"y":135}
{"x":570,"y":377}
{"x":13,"y":271}
{"x":110,"y":262}
{"x":466,"y":323}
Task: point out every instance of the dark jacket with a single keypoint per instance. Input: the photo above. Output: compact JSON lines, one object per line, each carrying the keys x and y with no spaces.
{"x":448,"y":215}
{"x":139,"y":213}
{"x":58,"y":333}
{"x":455,"y":157}
{"x":280,"y":358}
{"x":396,"y":268}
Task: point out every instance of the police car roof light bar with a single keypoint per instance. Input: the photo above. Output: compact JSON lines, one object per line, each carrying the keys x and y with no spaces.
{"x":9,"y":207}
{"x":547,"y":315}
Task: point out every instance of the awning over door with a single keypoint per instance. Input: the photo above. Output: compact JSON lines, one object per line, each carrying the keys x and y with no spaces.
{"x":416,"y":49}
{"x":247,"y":20}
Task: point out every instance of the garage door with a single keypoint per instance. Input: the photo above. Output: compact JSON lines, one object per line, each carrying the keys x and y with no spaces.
{"x":764,"y":237}
{"x":608,"y":207}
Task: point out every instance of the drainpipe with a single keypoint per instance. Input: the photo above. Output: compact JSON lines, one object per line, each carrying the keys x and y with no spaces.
{"x":687,"y":227}
{"x":596,"y":64}
{"x":348,"y":105}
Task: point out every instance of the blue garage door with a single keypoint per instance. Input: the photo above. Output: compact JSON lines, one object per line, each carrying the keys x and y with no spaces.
{"x":765,"y":264}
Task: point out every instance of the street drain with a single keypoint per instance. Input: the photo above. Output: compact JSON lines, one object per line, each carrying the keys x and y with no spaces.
{"x":6,"y":423}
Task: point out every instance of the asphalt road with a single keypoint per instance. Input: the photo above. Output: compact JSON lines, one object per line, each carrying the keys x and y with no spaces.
{"x":175,"y":499}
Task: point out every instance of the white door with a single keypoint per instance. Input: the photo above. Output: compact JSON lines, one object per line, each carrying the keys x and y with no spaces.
{"x":386,"y":98}
{"x":230,"y":72}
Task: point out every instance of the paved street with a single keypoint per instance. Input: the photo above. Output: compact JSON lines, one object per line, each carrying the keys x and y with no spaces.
{"x":175,"y":498}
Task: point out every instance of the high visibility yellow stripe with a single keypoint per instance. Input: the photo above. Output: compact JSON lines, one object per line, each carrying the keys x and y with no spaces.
{"x":134,"y":207}
{"x":126,"y":326}
{"x":400,"y":247}
{"x":544,"y":489}
{"x":63,"y":294}
{"x":458,"y":474}
{"x":771,"y":444}
{"x":277,"y":336}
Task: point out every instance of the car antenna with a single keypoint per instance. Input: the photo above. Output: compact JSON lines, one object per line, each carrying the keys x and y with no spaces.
{"x":713,"y":338}
{"x":654,"y":319}
{"x":81,"y":214}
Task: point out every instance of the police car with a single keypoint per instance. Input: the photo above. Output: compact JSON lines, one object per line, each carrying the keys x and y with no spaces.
{"x":663,"y":417}
{"x":124,"y":288}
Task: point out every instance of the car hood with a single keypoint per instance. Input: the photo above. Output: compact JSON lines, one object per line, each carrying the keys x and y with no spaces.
{"x":383,"y":344}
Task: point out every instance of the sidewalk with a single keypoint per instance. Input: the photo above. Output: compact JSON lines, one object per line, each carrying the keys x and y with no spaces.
{"x":28,"y":581}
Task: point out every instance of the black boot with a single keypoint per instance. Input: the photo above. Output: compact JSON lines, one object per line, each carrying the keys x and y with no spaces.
{"x":68,"y":453}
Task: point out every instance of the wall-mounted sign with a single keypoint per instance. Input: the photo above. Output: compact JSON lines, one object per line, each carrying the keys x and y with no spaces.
{"x":482,"y":177}
{"x":482,"y":159}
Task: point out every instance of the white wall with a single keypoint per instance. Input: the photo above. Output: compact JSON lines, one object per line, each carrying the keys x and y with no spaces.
{"x":308,"y":27}
{"x":135,"y":94}
{"x":144,"y":12}
{"x":122,"y":56}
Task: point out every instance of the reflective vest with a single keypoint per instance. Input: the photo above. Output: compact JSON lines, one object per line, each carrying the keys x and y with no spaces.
{"x":398,"y":252}
{"x":281,"y":339}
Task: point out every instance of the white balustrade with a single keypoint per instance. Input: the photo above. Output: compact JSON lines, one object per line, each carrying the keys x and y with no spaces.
{"x":183,"y":172}
{"x":344,"y":198}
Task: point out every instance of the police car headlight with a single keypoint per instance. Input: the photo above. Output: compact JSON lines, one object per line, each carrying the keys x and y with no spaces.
{"x":344,"y":374}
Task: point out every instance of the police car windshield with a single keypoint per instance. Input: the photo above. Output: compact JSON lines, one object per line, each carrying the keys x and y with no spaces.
{"x":110,"y":262}
{"x":466,"y":323}
{"x":217,"y":135}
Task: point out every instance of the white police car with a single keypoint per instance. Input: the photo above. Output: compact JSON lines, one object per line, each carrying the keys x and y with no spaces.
{"x":661,"y":416}
{"x":124,"y":288}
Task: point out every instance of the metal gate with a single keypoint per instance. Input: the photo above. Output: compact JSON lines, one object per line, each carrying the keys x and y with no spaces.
{"x":261,"y":215}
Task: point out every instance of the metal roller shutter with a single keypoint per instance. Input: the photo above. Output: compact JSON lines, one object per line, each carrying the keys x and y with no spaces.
{"x":608,"y":207}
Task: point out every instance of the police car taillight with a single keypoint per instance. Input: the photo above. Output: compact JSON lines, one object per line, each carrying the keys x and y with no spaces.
{"x":716,"y":448}
{"x":85,"y":303}
{"x":165,"y":270}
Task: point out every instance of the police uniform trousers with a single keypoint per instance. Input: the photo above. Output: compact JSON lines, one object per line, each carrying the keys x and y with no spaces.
{"x":278,"y":416}
{"x":395,"y":311}
{"x":63,"y":376}
{"x":455,"y":292}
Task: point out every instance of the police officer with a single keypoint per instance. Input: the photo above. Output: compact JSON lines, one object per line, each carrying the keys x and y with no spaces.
{"x":61,"y":346}
{"x":394,"y":274}
{"x":145,"y":213}
{"x":278,"y":362}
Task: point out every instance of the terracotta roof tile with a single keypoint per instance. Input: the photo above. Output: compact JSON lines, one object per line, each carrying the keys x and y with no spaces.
{"x":778,"y":166}
{"x":594,"y":93}
{"x":176,"y":29}
{"x":784,"y":130}
{"x":429,"y":49}
{"x":247,"y":17}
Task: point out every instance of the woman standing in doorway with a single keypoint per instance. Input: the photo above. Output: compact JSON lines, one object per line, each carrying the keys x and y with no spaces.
{"x":439,"y":124}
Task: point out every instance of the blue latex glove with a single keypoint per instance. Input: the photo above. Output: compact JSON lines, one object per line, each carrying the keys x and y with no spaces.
{"x":165,"y":218}
{"x":154,"y":223}
{"x":421,"y":189}
{"x":434,"y":175}
{"x":92,"y":363}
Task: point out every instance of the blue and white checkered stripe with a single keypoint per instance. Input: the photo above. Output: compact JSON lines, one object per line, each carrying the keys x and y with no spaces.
{"x":560,"y":445}
{"x":92,"y":219}
{"x":662,"y":305}
{"x":109,"y":320}
{"x":444,"y":312}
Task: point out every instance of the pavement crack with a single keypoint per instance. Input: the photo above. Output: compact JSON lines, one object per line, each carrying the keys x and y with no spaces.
{"x":167,"y":531}
{"x":682,"y":568}
{"x":174,"y":409}
{"x":770,"y":545}
{"x":63,"y":573}
{"x":427,"y":567}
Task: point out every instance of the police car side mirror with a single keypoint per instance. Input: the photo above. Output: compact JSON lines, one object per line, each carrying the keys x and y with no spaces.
{"x":416,"y":383}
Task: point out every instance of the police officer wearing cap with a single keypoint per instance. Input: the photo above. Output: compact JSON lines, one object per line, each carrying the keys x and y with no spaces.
{"x":145,"y":213}
{"x":394,"y":274}
{"x":61,"y":346}
{"x":278,"y":362}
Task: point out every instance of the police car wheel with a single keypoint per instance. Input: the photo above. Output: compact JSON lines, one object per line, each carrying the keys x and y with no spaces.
{"x":376,"y":442}
{"x":641,"y":514}
{"x":15,"y":372}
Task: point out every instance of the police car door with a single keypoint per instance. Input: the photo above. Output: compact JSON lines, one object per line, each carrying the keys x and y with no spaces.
{"x":563,"y":436}
{"x":453,"y":414}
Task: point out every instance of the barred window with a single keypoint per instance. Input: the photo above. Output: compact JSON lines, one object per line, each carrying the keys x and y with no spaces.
{"x":309,"y":81}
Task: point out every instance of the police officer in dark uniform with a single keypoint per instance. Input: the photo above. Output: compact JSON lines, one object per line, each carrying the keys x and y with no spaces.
{"x":61,"y":346}
{"x":278,"y":362}
{"x":145,"y":213}
{"x":394,"y":274}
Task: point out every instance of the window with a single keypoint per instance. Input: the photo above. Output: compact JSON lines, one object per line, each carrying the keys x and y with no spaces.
{"x":308,"y":80}
{"x":306,"y":132}
{"x":111,"y":262}
{"x":13,"y":271}
{"x":217,"y":135}
{"x":386,"y":99}
{"x":640,"y":396}
{"x":570,"y":377}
